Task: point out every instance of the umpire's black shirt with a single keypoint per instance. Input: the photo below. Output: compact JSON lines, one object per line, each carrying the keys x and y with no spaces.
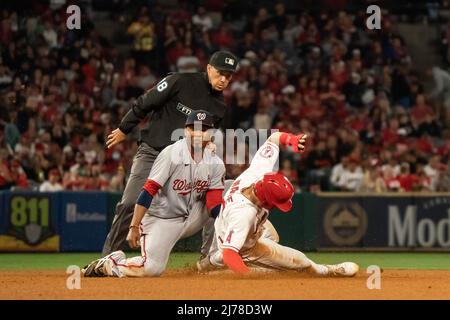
{"x":169,"y":103}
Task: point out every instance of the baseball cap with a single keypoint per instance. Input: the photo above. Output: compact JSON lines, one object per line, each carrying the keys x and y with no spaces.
{"x":201,"y":117}
{"x":224,"y":60}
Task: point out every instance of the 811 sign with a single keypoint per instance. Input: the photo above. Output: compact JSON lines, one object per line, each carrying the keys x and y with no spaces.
{"x":29,"y":218}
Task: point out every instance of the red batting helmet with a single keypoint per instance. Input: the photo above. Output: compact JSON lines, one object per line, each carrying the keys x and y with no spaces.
{"x":274,"y":189}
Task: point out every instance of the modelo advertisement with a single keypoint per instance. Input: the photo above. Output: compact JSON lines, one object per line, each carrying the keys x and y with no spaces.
{"x":395,"y":222}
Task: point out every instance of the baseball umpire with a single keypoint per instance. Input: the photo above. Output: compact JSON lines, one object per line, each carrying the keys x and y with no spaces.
{"x":168,"y":104}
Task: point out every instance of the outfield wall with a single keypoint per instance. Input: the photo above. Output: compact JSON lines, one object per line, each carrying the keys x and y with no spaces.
{"x":79,"y":221}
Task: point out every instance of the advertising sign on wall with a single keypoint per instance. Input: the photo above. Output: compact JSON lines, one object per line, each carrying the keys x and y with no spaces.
{"x":395,"y":222}
{"x":29,"y":222}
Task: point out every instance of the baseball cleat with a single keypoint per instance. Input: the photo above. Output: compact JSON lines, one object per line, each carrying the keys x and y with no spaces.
{"x":106,"y":266}
{"x":89,"y":270}
{"x":204,"y":265}
{"x":109,"y":266}
{"x":345,"y":269}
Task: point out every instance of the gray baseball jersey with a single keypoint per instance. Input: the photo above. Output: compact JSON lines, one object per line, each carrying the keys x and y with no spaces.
{"x":183,"y":181}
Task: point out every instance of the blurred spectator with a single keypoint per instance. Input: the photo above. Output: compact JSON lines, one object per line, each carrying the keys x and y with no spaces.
{"x":288,"y":171}
{"x":400,"y":89}
{"x":118,"y":180}
{"x":337,"y":173}
{"x":356,"y":94}
{"x":432,"y":171}
{"x":372,"y":181}
{"x":351,"y":178}
{"x":392,"y":167}
{"x":441,"y":84}
{"x":405,"y":177}
{"x":319,"y":163}
{"x":50,"y":35}
{"x":392,"y":182}
{"x":12,"y":133}
{"x":143,"y":31}
{"x":421,"y":181}
{"x":443,"y":183}
{"x":405,"y":125}
{"x":52,"y":184}
{"x":17,"y":175}
{"x":421,"y":110}
{"x":188,"y":62}
{"x":429,"y":126}
{"x":262,"y":119}
{"x":202,"y":20}
{"x":6,"y":179}
{"x":223,"y":38}
{"x":5,"y":76}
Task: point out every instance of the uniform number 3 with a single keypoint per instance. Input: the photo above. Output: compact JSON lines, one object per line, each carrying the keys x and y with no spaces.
{"x":161,"y":86}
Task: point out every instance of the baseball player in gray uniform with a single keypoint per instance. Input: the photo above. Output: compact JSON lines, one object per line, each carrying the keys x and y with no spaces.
{"x":183,"y":190}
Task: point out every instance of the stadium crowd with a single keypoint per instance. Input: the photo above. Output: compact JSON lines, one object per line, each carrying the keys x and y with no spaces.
{"x":354,"y":91}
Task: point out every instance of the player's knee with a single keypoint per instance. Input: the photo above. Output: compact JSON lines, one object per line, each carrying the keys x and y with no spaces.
{"x":270,"y":232}
{"x":153,"y":269}
{"x":275,"y":237}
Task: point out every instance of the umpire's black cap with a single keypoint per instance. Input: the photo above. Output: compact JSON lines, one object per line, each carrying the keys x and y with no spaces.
{"x":202,"y":117}
{"x":224,"y":60}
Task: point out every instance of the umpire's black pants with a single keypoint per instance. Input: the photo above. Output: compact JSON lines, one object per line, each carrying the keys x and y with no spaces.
{"x":142,"y":164}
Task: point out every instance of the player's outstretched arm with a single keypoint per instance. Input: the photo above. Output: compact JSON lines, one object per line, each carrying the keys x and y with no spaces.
{"x":267,"y":155}
{"x":296,"y":142}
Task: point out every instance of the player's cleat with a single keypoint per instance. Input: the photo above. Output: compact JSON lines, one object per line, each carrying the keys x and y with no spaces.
{"x":204,"y":265}
{"x":107,"y":266}
{"x":345,"y":269}
{"x":89,"y":270}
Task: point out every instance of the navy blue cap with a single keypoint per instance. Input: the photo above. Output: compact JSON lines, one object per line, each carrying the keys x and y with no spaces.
{"x":202,"y":117}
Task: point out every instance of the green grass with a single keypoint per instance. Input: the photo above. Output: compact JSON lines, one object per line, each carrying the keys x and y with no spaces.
{"x":53,"y":261}
{"x":387,"y":260}
{"x":49,"y":261}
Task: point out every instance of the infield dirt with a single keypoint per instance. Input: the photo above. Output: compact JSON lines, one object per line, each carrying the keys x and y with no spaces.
{"x":188,"y":285}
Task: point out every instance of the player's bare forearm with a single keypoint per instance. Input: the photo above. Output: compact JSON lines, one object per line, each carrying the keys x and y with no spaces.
{"x":138,"y":215}
{"x":275,"y":138}
{"x":134,"y":233}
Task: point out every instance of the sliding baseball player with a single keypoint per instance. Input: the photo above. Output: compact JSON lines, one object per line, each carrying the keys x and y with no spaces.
{"x":244,"y":236}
